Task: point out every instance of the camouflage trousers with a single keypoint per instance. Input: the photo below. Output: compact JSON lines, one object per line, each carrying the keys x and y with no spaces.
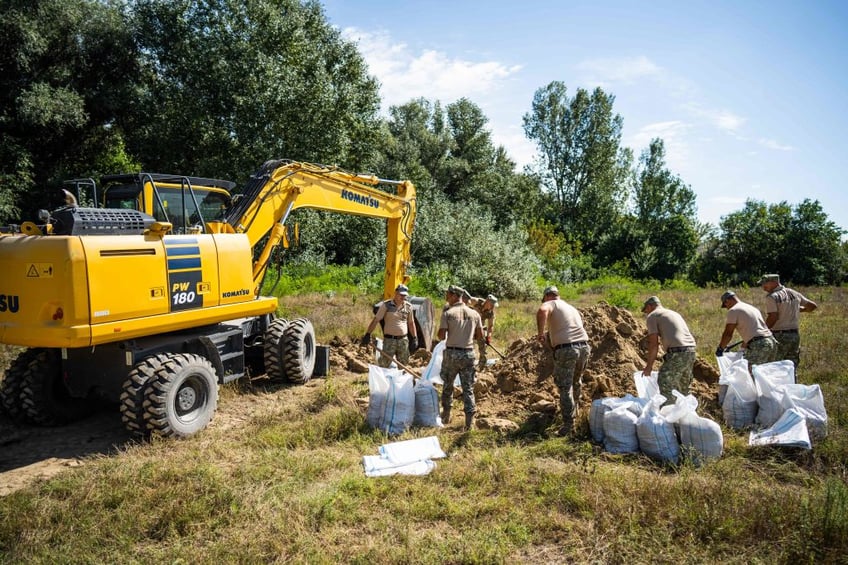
{"x":676,"y":374}
{"x":761,"y":351}
{"x":394,"y":348}
{"x":459,"y":362}
{"x":788,"y":347}
{"x":569,"y":364}
{"x":481,"y":353}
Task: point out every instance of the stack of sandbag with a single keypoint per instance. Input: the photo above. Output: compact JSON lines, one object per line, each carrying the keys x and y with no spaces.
{"x":777,"y":393}
{"x":391,"y":405}
{"x":633,"y":424}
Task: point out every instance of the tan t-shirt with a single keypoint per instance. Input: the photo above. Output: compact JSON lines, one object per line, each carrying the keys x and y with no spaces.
{"x":460,"y":321}
{"x":485,"y":315}
{"x":565,"y":324}
{"x":749,"y":322}
{"x":787,"y":303}
{"x":395,"y":318}
{"x":671,"y":328}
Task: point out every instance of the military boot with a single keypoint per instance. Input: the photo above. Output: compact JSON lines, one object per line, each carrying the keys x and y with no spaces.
{"x":446,"y":415}
{"x":469,"y":420}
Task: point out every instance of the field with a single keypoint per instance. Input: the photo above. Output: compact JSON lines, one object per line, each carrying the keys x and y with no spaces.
{"x":278,"y":477}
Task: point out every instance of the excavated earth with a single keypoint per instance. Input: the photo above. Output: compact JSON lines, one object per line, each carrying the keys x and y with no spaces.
{"x":516,"y":392}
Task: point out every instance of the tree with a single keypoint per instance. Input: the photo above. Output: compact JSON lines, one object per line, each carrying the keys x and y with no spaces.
{"x":581,"y":161}
{"x":800,"y":244}
{"x":66,"y":69}
{"x":227,"y":85}
{"x":665,"y":217}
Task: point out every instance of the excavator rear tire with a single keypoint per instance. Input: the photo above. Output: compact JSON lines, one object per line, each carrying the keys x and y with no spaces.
{"x":44,"y":396}
{"x":299,"y":351}
{"x":273,"y":350}
{"x":10,"y":387}
{"x":182,"y":396}
{"x":134,"y":392}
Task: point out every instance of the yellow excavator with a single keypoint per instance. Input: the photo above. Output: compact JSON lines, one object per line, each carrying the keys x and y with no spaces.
{"x":111,"y":303}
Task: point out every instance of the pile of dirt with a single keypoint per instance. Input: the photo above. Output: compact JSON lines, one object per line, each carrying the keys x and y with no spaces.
{"x":520,"y":387}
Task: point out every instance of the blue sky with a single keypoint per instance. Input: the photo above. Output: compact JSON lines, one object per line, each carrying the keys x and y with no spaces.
{"x":749,"y":97}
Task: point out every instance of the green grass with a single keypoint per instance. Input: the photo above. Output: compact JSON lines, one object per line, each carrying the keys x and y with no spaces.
{"x":289,"y":486}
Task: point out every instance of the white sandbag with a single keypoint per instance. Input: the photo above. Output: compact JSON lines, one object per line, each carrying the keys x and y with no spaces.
{"x":426,"y":405}
{"x":701,"y":439}
{"x":620,"y":430}
{"x":411,"y":450}
{"x":656,"y":435}
{"x":790,"y":430}
{"x":808,"y":401}
{"x":434,"y":367}
{"x":646,"y":387}
{"x":767,"y":377}
{"x":740,"y":403}
{"x":600,"y":407}
{"x":391,"y":406}
{"x":726,"y":367}
{"x":376,"y":466}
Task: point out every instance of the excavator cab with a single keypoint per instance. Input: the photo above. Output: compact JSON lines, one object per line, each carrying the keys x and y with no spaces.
{"x":185,"y":202}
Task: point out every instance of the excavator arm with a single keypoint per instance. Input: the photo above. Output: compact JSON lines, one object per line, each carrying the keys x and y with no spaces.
{"x":282,"y":186}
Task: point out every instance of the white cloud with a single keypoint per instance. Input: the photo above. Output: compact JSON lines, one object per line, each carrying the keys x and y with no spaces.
{"x":772,"y":144}
{"x":404,"y":74}
{"x":675,"y":140}
{"x":604,"y":72}
{"x":724,"y":120}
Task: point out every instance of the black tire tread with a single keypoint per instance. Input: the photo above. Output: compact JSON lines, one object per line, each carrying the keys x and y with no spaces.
{"x":299,"y":351}
{"x":272,"y":350}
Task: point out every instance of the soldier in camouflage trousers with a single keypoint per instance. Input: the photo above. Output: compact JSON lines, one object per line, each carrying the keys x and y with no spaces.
{"x":459,"y":326}
{"x":759,"y":345}
{"x":667,"y":325}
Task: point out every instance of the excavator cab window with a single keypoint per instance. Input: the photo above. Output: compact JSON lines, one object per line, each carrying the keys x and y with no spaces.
{"x":213,"y":203}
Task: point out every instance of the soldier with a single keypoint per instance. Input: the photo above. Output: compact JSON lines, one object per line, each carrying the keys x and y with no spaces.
{"x":758,"y":343}
{"x":571,"y":351}
{"x":669,"y":326}
{"x":783,"y":311}
{"x":458,"y":327}
{"x":486,"y":308}
{"x":399,"y":334}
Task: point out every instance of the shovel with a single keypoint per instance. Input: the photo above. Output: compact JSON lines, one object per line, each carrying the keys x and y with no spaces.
{"x":398,"y":363}
{"x":495,"y":350}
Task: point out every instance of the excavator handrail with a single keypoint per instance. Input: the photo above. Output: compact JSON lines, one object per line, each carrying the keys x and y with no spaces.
{"x":281,"y":186}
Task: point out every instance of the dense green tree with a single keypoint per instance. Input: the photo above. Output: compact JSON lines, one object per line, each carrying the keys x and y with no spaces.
{"x":67,"y":69}
{"x":229,"y":84}
{"x":665,"y":215}
{"x":581,"y":161}
{"x":800,"y":244}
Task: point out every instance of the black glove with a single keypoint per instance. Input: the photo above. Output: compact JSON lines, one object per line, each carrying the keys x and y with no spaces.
{"x":366,"y":340}
{"x":719,"y":351}
{"x":413,"y":343}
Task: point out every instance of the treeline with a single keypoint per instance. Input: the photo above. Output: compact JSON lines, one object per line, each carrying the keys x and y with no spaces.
{"x":214,"y":88}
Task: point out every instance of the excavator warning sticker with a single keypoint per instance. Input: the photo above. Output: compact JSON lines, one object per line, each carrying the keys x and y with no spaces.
{"x":40,"y":271}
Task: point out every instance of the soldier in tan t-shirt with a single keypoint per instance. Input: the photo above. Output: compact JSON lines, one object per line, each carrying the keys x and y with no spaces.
{"x":400,"y":338}
{"x":676,"y":370}
{"x":571,"y":351}
{"x":459,"y":326}
{"x":783,"y":312}
{"x":759,"y":346}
